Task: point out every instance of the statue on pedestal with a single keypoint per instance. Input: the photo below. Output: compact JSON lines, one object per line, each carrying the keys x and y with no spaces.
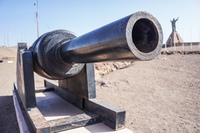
{"x":174,"y":37}
{"x":174,"y":24}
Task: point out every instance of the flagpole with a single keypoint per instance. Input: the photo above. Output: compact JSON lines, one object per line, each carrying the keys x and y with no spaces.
{"x":36,"y":5}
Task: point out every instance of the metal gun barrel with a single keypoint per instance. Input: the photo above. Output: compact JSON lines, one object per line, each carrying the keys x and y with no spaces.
{"x":60,"y":54}
{"x":138,"y":36}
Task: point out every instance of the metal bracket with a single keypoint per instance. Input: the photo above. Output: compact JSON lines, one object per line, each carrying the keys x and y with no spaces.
{"x":78,"y":90}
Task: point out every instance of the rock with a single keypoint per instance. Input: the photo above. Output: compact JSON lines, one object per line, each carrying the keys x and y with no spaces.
{"x":105,"y":68}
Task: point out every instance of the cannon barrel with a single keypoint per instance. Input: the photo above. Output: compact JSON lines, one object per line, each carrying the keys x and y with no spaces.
{"x":61,"y":54}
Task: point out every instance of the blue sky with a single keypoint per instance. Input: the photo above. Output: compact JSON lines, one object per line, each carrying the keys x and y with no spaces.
{"x":18,"y":17}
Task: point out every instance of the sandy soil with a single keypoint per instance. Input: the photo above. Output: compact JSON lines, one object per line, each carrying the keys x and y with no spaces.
{"x":8,"y":121}
{"x":162,"y":95}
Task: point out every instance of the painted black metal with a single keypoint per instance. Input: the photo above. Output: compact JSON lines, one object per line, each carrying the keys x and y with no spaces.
{"x":84,"y":94}
{"x":47,"y":63}
{"x":61,"y":92}
{"x":111,"y":43}
{"x":112,"y":116}
{"x":44,"y":89}
{"x":82,"y":84}
{"x":74,"y":122}
{"x":25,"y":77}
{"x":60,"y":55}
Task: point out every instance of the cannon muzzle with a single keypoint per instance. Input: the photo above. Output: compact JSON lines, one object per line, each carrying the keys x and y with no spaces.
{"x":61,"y":54}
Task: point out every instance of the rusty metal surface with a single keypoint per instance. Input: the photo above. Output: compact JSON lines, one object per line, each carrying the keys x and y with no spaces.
{"x":74,"y":122}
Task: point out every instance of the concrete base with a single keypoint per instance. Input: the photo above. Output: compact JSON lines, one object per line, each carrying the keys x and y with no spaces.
{"x":96,"y":128}
{"x":53,"y":107}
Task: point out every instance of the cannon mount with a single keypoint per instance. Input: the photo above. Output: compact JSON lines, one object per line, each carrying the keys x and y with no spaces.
{"x":61,"y":55}
{"x":79,"y":91}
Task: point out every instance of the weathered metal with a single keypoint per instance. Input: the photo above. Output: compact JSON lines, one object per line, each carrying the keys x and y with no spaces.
{"x":60,"y":54}
{"x":64,"y":56}
{"x":25,"y":77}
{"x":34,"y":120}
{"x":110,"y":115}
{"x":76,"y":121}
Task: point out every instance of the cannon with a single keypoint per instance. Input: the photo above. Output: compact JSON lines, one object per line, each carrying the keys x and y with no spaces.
{"x":61,"y":55}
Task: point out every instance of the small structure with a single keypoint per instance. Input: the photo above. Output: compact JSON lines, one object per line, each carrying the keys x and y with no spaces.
{"x":174,"y":37}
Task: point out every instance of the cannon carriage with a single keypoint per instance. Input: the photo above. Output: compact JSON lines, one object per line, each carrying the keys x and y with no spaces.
{"x":61,"y":55}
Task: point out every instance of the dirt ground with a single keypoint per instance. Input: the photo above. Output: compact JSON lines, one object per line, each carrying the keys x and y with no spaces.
{"x":162,"y":95}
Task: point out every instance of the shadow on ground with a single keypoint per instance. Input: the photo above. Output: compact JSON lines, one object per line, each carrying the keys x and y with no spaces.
{"x":8,"y":120}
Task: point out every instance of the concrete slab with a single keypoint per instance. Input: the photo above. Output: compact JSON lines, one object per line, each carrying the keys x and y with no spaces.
{"x":54,"y":107}
{"x":96,"y":128}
